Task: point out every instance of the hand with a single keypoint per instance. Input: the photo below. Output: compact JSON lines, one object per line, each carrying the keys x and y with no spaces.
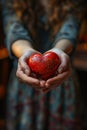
{"x":24,"y":72}
{"x":64,"y":71}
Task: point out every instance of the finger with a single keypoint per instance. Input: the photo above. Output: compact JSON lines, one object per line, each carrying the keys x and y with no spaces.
{"x":60,"y":77}
{"x":28,"y":80}
{"x":24,"y":66}
{"x":64,"y":63}
{"x":20,"y":68}
{"x":46,"y":90}
{"x":42,"y":83}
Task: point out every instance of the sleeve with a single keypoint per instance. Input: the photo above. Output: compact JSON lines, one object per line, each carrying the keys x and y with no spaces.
{"x":13,"y":27}
{"x":69,"y":30}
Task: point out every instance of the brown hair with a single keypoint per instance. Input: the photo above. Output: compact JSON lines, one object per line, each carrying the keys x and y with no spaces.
{"x":29,"y":12}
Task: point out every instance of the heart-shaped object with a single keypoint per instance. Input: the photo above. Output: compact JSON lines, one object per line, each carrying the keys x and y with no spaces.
{"x":44,"y":65}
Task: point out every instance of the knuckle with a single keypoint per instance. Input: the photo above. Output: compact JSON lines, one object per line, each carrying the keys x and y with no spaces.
{"x":17,"y":73}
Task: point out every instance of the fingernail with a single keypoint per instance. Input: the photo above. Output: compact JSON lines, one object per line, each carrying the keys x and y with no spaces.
{"x":47,"y":85}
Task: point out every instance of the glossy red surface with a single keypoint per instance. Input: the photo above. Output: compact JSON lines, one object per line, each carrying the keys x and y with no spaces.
{"x":44,"y":65}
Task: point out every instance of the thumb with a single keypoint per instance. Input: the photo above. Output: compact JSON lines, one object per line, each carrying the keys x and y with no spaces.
{"x":64,"y":64}
{"x":24,"y":66}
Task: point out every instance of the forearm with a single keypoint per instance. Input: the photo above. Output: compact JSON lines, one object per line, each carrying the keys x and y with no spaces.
{"x":20,"y":47}
{"x":65,"y":45}
{"x":66,"y":38}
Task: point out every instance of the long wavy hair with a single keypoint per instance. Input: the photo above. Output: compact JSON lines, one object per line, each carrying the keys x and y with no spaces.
{"x":30,"y":12}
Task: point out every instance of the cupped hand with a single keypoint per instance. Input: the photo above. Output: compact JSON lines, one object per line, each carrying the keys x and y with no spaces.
{"x":64,"y":71}
{"x":24,"y":72}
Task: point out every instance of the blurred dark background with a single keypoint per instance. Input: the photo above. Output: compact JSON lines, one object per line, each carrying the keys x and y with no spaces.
{"x":79,"y":63}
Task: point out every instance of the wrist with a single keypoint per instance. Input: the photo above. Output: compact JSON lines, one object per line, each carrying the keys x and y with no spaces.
{"x":20,"y":47}
{"x":65,"y":45}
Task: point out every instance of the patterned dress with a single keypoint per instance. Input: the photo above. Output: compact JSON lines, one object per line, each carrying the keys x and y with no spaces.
{"x":27,"y":108}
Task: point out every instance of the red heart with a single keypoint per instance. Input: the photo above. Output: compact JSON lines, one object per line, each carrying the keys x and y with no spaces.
{"x":44,"y":65}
